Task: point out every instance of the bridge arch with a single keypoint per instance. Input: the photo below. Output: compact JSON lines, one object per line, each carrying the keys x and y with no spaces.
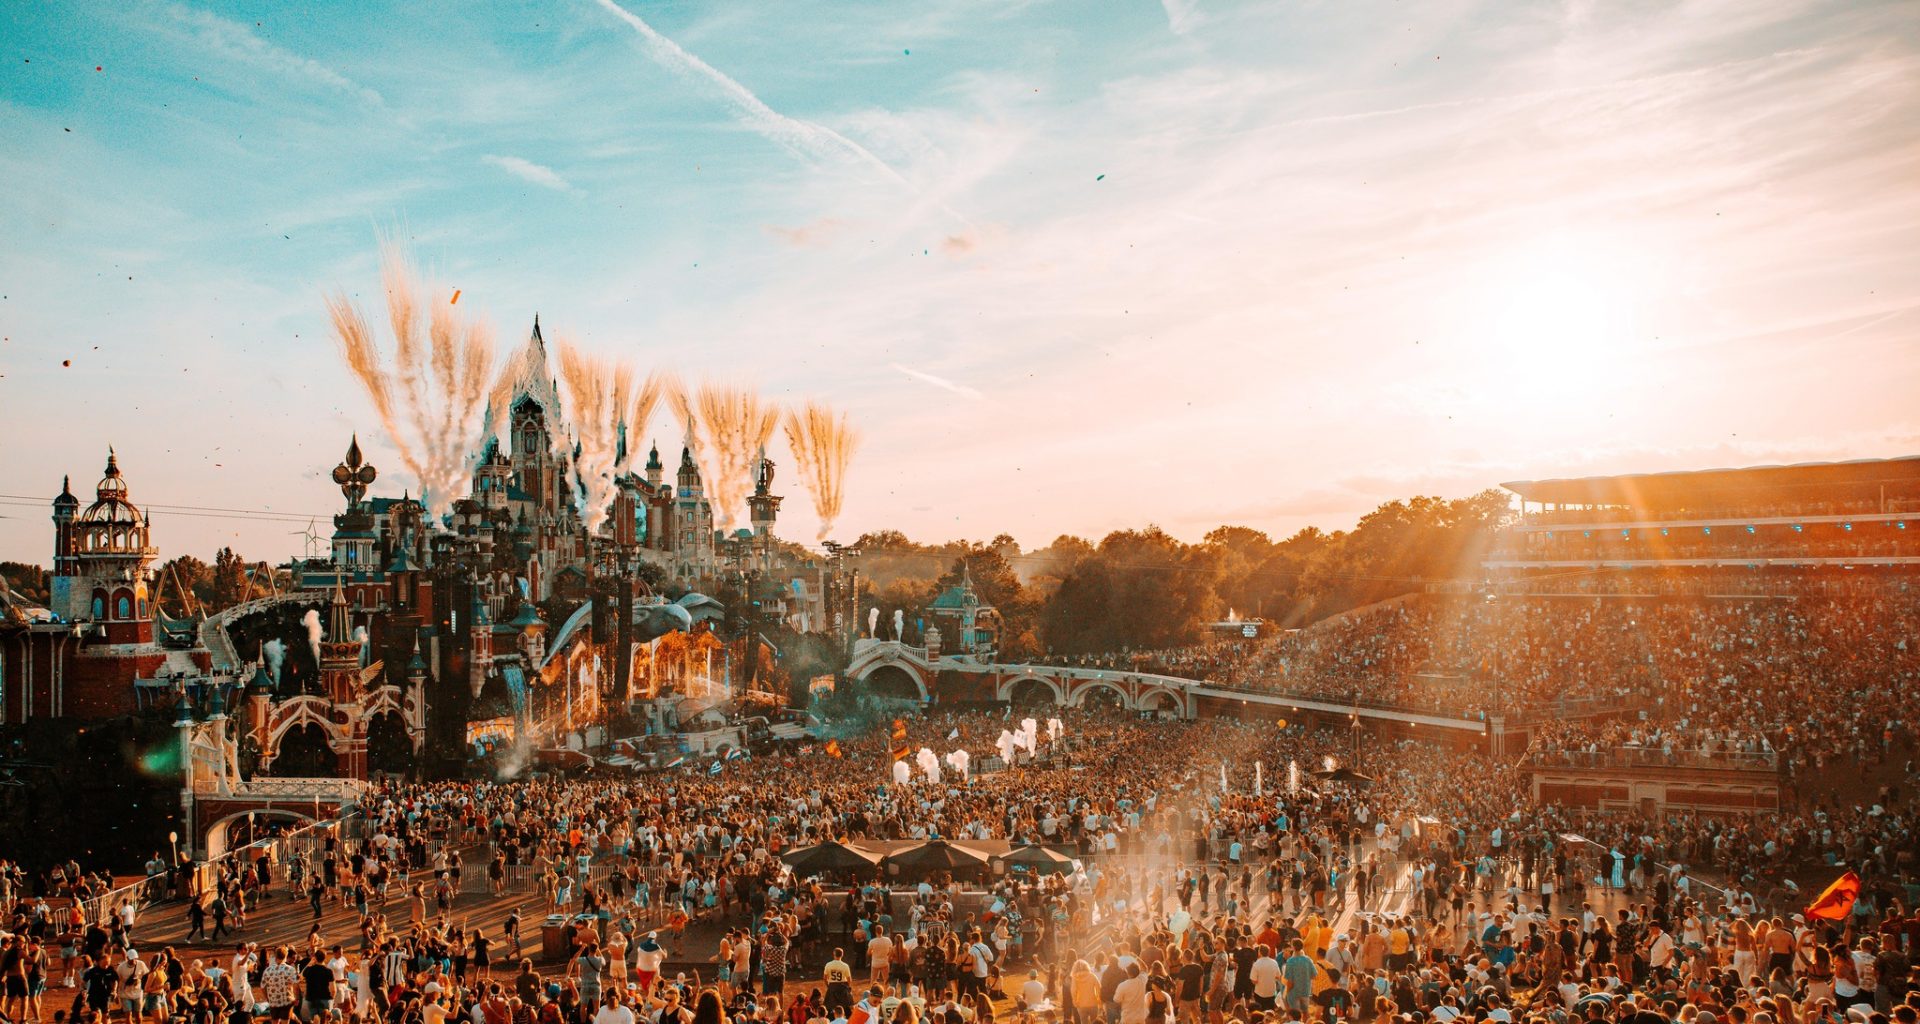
{"x":896,"y":680}
{"x":1100,"y":691}
{"x":1030,"y":690}
{"x":880,"y":665}
{"x":220,"y":833}
{"x":1161,"y":698}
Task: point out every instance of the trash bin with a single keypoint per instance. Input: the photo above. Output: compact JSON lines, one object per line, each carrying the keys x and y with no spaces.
{"x":553,"y":937}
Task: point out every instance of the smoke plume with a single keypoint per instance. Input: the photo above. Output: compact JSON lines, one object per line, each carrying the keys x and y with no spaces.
{"x":275,"y":654}
{"x":430,"y":396}
{"x":315,"y":631}
{"x":823,"y":444}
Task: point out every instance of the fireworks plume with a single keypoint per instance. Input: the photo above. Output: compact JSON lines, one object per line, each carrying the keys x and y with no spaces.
{"x":682,"y":403}
{"x":598,"y":392}
{"x":658,"y":385}
{"x":428,"y":398}
{"x":737,"y":424}
{"x":823,"y":444}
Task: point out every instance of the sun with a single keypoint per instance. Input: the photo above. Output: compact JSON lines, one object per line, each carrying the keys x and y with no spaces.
{"x":1554,"y":320}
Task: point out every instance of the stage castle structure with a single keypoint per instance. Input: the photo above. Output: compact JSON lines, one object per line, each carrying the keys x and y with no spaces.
{"x":412,"y":634}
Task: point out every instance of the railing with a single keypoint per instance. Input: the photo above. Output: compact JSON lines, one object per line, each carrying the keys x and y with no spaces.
{"x":154,"y":888}
{"x":1657,"y":757}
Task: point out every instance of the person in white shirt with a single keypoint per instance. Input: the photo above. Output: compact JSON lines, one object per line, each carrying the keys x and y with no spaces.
{"x":1034,"y":992}
{"x":1131,"y":995}
{"x":612,"y":1012}
{"x":1265,"y":977}
{"x":879,"y":952}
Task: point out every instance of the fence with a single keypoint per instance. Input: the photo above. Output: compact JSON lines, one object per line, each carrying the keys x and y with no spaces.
{"x":201,"y":877}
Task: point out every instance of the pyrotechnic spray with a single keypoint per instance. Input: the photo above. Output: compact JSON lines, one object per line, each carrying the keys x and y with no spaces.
{"x":428,"y":399}
{"x":737,"y":425}
{"x":823,"y":444}
{"x":599,"y":394}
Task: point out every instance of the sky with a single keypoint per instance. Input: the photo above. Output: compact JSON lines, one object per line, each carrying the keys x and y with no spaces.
{"x":1071,"y":266}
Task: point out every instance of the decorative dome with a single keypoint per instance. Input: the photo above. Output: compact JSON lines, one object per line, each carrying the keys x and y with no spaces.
{"x":112,"y":525}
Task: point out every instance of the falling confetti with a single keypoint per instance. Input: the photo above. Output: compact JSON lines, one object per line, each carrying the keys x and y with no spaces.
{"x":1099,"y":177}
{"x":456,"y":298}
{"x":66,"y":362}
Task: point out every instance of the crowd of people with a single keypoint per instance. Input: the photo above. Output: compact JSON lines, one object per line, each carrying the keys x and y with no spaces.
{"x":1215,"y":876}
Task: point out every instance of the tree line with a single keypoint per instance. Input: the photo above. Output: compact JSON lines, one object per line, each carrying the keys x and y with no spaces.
{"x":1145,"y":589}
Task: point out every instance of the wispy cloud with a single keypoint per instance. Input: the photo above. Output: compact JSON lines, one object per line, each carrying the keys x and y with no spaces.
{"x":241,"y":44}
{"x":804,"y":138}
{"x":941,"y":382}
{"x":815,"y":235}
{"x":528,"y":171}
{"x":1180,"y":14}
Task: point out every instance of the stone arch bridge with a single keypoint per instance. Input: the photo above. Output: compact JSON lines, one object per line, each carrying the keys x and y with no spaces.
{"x":895,"y":669}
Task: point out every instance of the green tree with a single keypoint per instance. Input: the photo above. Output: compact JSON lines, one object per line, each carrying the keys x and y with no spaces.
{"x":179,"y":579}
{"x":228,"y":584}
{"x":28,"y":581}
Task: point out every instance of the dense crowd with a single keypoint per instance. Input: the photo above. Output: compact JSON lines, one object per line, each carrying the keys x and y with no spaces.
{"x":1215,"y":876}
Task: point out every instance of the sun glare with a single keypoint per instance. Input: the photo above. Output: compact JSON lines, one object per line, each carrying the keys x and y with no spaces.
{"x":1554,"y":320}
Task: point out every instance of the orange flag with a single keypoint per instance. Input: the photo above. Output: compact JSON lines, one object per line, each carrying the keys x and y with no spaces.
{"x":833,"y":748}
{"x":1837,"y":901}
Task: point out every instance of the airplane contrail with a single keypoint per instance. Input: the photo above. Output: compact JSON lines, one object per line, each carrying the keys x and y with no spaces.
{"x":802,"y":137}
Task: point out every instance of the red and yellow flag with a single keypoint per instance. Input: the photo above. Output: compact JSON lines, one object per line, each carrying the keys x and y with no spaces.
{"x":833,"y":749}
{"x":1837,"y":901}
{"x":900,"y":748}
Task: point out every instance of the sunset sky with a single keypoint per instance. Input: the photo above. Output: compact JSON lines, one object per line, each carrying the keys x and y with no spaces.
{"x":1071,"y":266}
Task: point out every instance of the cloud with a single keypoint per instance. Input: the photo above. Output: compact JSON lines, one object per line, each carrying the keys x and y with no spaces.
{"x":239,"y":43}
{"x":815,"y":235}
{"x":1180,"y":15}
{"x":940,"y":382}
{"x":804,"y":138}
{"x":528,"y":171}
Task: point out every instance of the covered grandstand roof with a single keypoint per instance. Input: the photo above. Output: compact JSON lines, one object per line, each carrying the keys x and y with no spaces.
{"x":1856,"y":478}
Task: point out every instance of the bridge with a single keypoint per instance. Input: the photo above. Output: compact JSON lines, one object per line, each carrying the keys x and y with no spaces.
{"x":896,"y":669}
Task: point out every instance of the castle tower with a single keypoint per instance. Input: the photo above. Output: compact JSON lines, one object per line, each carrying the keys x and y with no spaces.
{"x":66,"y":545}
{"x":339,"y":654}
{"x":763,"y":506}
{"x":692,"y":521}
{"x":654,"y":468}
{"x":109,"y":560}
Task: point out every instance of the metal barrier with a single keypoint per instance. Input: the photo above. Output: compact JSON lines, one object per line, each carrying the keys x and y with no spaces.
{"x":1656,"y":757}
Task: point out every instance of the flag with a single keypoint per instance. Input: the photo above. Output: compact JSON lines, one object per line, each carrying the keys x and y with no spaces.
{"x":677,"y":762}
{"x":900,"y":748}
{"x":1837,"y":901}
{"x":736,"y":753}
{"x":714,"y":769}
{"x":833,"y":749}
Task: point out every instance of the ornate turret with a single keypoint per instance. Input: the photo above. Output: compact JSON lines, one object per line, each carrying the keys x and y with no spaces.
{"x":108,"y":554}
{"x":654,"y":468}
{"x":763,"y":506}
{"x":354,"y":474}
{"x":66,"y":542}
{"x":339,"y":652}
{"x":689,"y":474}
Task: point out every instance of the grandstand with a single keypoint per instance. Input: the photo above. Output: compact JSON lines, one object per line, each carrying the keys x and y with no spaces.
{"x":1846,"y":514}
